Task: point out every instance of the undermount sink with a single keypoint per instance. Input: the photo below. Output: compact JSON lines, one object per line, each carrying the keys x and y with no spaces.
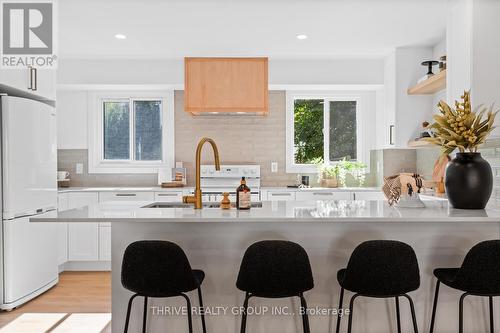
{"x":185,"y":205}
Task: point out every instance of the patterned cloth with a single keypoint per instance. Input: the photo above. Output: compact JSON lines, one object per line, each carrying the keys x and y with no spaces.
{"x":396,"y":186}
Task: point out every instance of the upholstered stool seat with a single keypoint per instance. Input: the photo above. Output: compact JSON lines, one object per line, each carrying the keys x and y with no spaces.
{"x":381,"y":269}
{"x":275,"y":269}
{"x":479,"y":275}
{"x":159,"y":269}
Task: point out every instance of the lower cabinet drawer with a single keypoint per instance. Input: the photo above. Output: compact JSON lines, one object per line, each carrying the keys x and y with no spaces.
{"x":322,"y":195}
{"x":126,"y":196}
{"x":375,"y":195}
{"x":280,"y":196}
{"x":168,"y":196}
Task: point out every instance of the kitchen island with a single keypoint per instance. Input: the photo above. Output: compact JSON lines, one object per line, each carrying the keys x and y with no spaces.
{"x":215,"y":240}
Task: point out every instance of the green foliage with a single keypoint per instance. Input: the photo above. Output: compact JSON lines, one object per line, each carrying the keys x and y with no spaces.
{"x":116,"y":130}
{"x":342,"y":130}
{"x":308,"y":135}
{"x":309,"y":126}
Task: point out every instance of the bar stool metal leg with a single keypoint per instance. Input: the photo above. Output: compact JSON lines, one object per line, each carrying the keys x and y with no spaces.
{"x":351,"y":307}
{"x":461,"y":313}
{"x":339,"y":317}
{"x":305,"y":318}
{"x":202,"y":311}
{"x":190,"y":319}
{"x":413,"y":316}
{"x":145,"y":314}
{"x":492,"y":321}
{"x":398,"y":317}
{"x":129,"y":307}
{"x":434,"y":306}
{"x":244,"y":316}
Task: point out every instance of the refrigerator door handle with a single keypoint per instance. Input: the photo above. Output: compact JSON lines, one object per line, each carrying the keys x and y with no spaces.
{"x":30,"y":74}
{"x":34,"y":84}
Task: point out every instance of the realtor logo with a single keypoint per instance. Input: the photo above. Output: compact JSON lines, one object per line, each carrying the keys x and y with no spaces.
{"x":27,"y":34}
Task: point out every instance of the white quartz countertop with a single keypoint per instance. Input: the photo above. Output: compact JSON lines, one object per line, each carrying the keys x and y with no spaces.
{"x":160,"y":189}
{"x":326,"y":189}
{"x":120,"y":189}
{"x":334,"y":211}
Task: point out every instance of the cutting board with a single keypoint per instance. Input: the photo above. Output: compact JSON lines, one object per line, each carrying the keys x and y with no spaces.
{"x":439,"y":168}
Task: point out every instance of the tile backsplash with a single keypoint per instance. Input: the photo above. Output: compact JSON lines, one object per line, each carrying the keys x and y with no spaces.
{"x":68,"y":158}
{"x":240,"y":139}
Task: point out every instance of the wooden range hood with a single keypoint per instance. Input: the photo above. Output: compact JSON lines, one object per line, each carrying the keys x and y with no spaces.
{"x":226,"y":86}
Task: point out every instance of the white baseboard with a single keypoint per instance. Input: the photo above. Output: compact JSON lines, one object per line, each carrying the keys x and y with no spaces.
{"x":85,"y":266}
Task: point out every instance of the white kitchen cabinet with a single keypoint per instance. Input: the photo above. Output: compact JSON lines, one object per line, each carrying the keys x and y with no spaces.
{"x":322,"y":195}
{"x":81,"y":199}
{"x":168,"y":196}
{"x":126,"y":196}
{"x":36,"y":81}
{"x":375,"y":195}
{"x":104,"y":243}
{"x":280,"y":196}
{"x":62,"y":231}
{"x":83,"y":238}
{"x":83,"y":241}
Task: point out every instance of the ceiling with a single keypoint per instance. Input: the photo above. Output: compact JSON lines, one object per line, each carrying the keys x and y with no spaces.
{"x":174,"y":29}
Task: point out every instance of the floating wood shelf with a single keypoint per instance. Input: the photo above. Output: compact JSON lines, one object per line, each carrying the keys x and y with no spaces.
{"x":418,"y":144}
{"x":430,"y":86}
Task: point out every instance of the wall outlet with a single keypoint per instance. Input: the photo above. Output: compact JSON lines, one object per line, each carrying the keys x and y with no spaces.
{"x":79,"y":168}
{"x":274,"y":166}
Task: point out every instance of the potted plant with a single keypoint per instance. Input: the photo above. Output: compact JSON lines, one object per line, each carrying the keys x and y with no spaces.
{"x":328,"y":175}
{"x":332,"y":175}
{"x":468,"y":177}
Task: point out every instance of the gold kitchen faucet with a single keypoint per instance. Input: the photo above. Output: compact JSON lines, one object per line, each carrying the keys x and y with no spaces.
{"x":196,"y":198}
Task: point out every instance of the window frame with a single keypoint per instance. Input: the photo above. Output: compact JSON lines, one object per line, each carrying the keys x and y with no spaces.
{"x":97,"y":163}
{"x":360,"y":97}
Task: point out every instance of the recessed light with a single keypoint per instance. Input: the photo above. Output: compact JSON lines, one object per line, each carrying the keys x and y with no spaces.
{"x":120,"y":36}
{"x":301,"y":37}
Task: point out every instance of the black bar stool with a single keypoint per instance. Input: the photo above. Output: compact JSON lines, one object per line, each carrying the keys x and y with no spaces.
{"x":159,"y":269}
{"x":380,"y":269}
{"x":275,"y":269}
{"x":479,"y":275}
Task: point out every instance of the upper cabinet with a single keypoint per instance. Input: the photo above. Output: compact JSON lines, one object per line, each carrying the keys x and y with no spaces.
{"x":226,"y":85}
{"x":33,"y":80}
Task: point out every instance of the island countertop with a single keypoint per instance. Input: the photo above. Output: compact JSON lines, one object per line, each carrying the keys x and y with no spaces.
{"x":334,"y":211}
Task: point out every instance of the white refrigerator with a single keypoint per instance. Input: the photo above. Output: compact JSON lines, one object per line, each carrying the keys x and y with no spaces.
{"x":28,"y":188}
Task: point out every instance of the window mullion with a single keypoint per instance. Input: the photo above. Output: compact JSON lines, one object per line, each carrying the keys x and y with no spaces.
{"x":131,"y":129}
{"x":326,"y":131}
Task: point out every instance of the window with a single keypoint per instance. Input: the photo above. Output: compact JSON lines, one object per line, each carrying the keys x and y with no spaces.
{"x":308,"y":119}
{"x":116,"y":130}
{"x":130,"y":132}
{"x":326,"y":127}
{"x":342,"y":130}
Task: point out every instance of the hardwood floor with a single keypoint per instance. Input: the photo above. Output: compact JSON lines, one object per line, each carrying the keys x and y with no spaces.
{"x":76,"y":292}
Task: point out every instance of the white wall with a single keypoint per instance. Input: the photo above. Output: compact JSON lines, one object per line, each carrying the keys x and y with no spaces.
{"x":437,"y":51}
{"x":335,"y":71}
{"x":148,"y":71}
{"x":486,"y":55}
{"x":474,"y":48}
{"x":459,"y":46}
